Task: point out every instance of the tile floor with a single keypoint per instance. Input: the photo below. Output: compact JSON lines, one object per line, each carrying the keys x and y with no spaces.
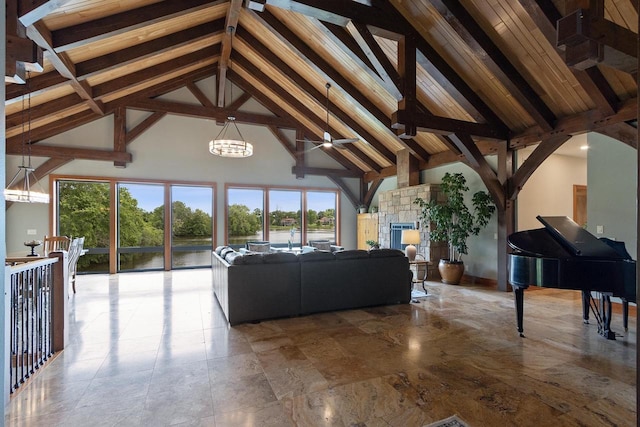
{"x":153,"y":349}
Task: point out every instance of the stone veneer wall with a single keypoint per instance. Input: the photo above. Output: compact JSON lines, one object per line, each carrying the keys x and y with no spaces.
{"x":396,"y":206}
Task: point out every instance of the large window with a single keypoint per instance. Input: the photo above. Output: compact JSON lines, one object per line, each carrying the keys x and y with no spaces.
{"x":285,"y":221}
{"x":321,"y":215}
{"x":245,"y":211}
{"x":191,"y":226}
{"x":83,"y":210}
{"x":137,"y":225}
{"x":140,"y":226}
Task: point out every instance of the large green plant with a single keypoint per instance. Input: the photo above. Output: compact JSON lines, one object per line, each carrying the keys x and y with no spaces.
{"x":453,"y":221}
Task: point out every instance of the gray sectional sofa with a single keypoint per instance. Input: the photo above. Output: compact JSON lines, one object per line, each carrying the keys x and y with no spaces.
{"x":254,"y":287}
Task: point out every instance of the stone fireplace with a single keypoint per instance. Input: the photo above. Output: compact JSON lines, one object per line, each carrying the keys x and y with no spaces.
{"x":397,"y":207}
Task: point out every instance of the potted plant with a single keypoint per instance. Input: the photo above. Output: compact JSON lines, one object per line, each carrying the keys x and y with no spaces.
{"x":373,"y":244}
{"x":453,"y":222}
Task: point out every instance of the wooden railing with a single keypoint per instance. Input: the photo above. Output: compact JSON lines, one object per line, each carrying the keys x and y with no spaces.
{"x":38,"y":301}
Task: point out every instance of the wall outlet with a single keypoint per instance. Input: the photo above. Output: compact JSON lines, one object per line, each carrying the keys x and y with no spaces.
{"x":495,"y":236}
{"x":599,"y":229}
{"x":31,"y":231}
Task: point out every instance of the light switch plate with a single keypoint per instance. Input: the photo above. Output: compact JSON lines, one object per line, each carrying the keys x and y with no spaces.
{"x":32,"y":232}
{"x":599,"y":229}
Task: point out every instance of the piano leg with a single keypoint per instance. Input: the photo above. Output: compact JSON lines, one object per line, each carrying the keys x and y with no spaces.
{"x":625,"y":314}
{"x":586,"y":297}
{"x":519,"y":298}
{"x":605,"y":312}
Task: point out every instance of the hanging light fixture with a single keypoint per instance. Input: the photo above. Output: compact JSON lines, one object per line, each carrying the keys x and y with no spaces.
{"x":228,"y":143}
{"x":26,"y":194}
{"x":225,"y":145}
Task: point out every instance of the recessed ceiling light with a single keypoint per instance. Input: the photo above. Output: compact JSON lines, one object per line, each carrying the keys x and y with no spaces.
{"x":584,"y":147}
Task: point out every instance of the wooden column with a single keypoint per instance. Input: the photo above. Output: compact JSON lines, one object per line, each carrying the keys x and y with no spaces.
{"x":408,"y":170}
{"x":60,"y":301}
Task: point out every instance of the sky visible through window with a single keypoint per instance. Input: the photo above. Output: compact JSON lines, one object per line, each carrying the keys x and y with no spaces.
{"x":282,"y":200}
{"x":150,"y":196}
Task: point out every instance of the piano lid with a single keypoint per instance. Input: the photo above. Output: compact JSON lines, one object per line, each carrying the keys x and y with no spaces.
{"x":575,"y":239}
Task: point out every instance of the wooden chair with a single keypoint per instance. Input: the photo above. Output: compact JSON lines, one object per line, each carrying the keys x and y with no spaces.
{"x":56,"y":243}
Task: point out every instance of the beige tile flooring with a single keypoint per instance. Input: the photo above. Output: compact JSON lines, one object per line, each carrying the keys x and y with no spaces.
{"x":152,"y":349}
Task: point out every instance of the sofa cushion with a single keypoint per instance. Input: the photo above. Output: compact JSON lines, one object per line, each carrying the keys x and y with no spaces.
{"x":385,"y":252}
{"x":225,"y":251}
{"x":233,"y":257}
{"x":230,"y":255}
{"x":220,"y":248}
{"x":352,"y":254}
{"x":321,"y":245}
{"x":279,"y":257}
{"x":316,"y":256}
{"x":259,"y":247}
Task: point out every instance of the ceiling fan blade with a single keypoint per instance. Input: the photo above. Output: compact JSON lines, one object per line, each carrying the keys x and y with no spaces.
{"x":345,"y":140}
{"x":311,"y":141}
{"x":313,"y":148}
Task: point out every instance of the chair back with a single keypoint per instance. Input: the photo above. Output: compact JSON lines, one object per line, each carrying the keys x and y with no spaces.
{"x":56,"y":243}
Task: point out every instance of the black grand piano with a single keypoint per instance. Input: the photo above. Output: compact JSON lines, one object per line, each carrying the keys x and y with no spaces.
{"x":566,"y":256}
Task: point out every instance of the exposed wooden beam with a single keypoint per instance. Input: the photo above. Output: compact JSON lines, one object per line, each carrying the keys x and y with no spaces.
{"x":545,"y":15}
{"x":479,"y":164}
{"x":143,"y":126}
{"x":407,"y":72}
{"x":120,"y":134}
{"x":230,"y":26}
{"x":622,"y":132}
{"x":546,"y":148}
{"x":371,"y":191}
{"x":119,"y":23}
{"x":151,"y":48}
{"x":41,"y":150}
{"x":35,"y":10}
{"x":190,"y":110}
{"x":336,"y":173}
{"x":385,"y":69}
{"x":305,"y":86}
{"x":587,"y":121}
{"x":340,"y":12}
{"x":140,"y":77}
{"x":439,"y":69}
{"x":347,"y":44}
{"x":462,"y":21}
{"x":39,"y":33}
{"x":276,"y":109}
{"x":605,"y":41}
{"x":445,"y":126}
{"x":331,"y":75}
{"x":346,"y":190}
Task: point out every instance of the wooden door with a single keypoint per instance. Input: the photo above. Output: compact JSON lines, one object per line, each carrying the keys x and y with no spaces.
{"x":580,"y":204}
{"x":367,"y":229}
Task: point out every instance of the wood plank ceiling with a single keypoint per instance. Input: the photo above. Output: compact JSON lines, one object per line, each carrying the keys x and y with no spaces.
{"x":441,"y":80}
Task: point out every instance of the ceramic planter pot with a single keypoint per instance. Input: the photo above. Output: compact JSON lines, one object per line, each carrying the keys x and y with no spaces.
{"x":451,"y":271}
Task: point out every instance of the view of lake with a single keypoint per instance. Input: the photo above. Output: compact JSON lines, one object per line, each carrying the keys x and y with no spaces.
{"x":202,"y":257}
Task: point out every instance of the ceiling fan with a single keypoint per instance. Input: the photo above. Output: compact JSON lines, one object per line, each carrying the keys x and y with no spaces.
{"x":327,"y":140}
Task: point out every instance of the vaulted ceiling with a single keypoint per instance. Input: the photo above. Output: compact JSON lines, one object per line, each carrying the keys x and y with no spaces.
{"x":426,"y":81}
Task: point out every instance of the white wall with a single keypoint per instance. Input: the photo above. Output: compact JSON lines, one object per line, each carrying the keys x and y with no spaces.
{"x":611,"y":193}
{"x":176,"y":148}
{"x":549,"y":191}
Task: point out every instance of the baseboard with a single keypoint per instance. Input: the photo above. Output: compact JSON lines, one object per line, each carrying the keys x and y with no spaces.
{"x":482,"y":281}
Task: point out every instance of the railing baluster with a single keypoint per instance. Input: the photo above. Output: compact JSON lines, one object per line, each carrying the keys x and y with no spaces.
{"x":31,"y":319}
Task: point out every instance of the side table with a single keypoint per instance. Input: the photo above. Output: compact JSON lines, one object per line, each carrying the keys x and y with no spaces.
{"x":420,"y":270}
